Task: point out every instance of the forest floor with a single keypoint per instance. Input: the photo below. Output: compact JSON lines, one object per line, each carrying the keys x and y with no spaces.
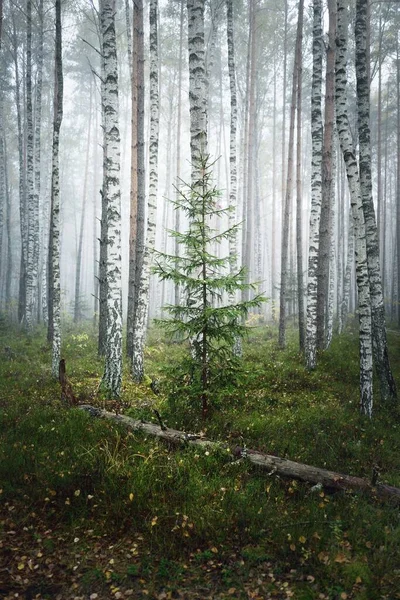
{"x":89,"y":510}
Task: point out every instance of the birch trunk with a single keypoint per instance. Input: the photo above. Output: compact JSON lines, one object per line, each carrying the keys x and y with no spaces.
{"x":299,"y":239}
{"x":289,"y":187}
{"x":32,"y":212}
{"x":54,"y":245}
{"x":197,"y":86}
{"x":316,"y":188}
{"x":112,"y":377}
{"x":344,"y":308}
{"x":103,"y":312}
{"x":380,"y":349}
{"x":364,"y":301}
{"x":237,"y":350}
{"x":2,"y":184}
{"x":398,"y":177}
{"x":142,"y":305}
{"x":37,"y":154}
{"x":325,"y":240}
{"x":133,"y":190}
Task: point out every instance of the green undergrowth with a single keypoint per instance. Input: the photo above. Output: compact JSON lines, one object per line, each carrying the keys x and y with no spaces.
{"x":201,"y":506}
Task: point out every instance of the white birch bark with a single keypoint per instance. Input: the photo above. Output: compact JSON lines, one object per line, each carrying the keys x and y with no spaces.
{"x":344,"y":133}
{"x":381,"y":357}
{"x":112,"y":377}
{"x":233,"y":258}
{"x":316,"y":188}
{"x":142,"y":305}
{"x":197,"y":85}
{"x":39,"y":259}
{"x":344,"y":308}
{"x":32,"y":213}
{"x":54,"y":256}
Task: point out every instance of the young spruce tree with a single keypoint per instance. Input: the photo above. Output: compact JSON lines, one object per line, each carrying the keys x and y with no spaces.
{"x":207,"y":281}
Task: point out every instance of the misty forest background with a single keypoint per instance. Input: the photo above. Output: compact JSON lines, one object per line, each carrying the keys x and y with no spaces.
{"x":199,"y":232}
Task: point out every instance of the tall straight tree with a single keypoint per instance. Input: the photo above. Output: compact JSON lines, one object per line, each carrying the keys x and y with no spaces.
{"x":32,"y":212}
{"x":346,"y":145}
{"x":299,"y":225}
{"x":289,"y":185}
{"x":142,"y":303}
{"x":112,"y":377}
{"x":381,"y":356}
{"x":54,"y":245}
{"x":232,"y":151}
{"x":137,"y":212}
{"x":316,"y":187}
{"x":197,"y":86}
{"x":325,"y":241}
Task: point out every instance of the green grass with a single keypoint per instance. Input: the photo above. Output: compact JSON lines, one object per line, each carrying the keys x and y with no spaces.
{"x":193,"y":511}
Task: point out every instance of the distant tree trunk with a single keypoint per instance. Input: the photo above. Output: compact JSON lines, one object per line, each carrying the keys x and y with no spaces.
{"x":380,"y":349}
{"x":178,"y":140}
{"x":112,"y":377}
{"x":9,"y":266}
{"x":33,"y":222}
{"x":78,"y":299}
{"x":289,"y":185}
{"x":316,"y":188}
{"x":197,"y":86}
{"x":2,"y":184}
{"x":344,"y":308}
{"x":398,"y":176}
{"x":284,"y":85}
{"x":129,"y":35}
{"x":95,"y":227}
{"x":54,"y":245}
{"x":274,"y":204}
{"x":364,"y":301}
{"x":299,"y":198}
{"x":21,"y":186}
{"x":232,"y":150}
{"x":325,"y":241}
{"x":142,"y":304}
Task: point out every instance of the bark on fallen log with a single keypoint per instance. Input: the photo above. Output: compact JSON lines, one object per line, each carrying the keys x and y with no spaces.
{"x":273,"y":464}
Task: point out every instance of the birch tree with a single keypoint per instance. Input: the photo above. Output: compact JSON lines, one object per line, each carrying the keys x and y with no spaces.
{"x":232,"y":152}
{"x":32,"y":221}
{"x":197,"y":85}
{"x":54,"y":245}
{"x":381,"y":356}
{"x":346,"y":145}
{"x":316,"y":187}
{"x":112,"y":377}
{"x":142,"y":304}
{"x":328,"y":184}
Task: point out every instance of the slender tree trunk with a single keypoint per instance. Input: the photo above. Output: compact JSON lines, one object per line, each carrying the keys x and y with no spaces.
{"x":380,"y":349}
{"x":299,"y":198}
{"x":324,"y":248}
{"x":134,"y":184}
{"x":112,"y":377}
{"x":289,"y":185}
{"x":9,"y":265}
{"x":178,"y":140}
{"x":21,"y":187}
{"x":197,"y":86}
{"x":142,"y":305}
{"x":232,"y":150}
{"x":95,"y":227}
{"x":54,"y":246}
{"x":364,"y":301}
{"x":398,"y":176}
{"x":37,"y":157}
{"x":78,"y":299}
{"x":316,"y":188}
{"x":33,"y":223}
{"x":274,"y":207}
{"x":344,"y":309}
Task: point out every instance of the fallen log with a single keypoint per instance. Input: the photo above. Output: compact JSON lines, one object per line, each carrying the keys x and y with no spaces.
{"x":273,"y":464}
